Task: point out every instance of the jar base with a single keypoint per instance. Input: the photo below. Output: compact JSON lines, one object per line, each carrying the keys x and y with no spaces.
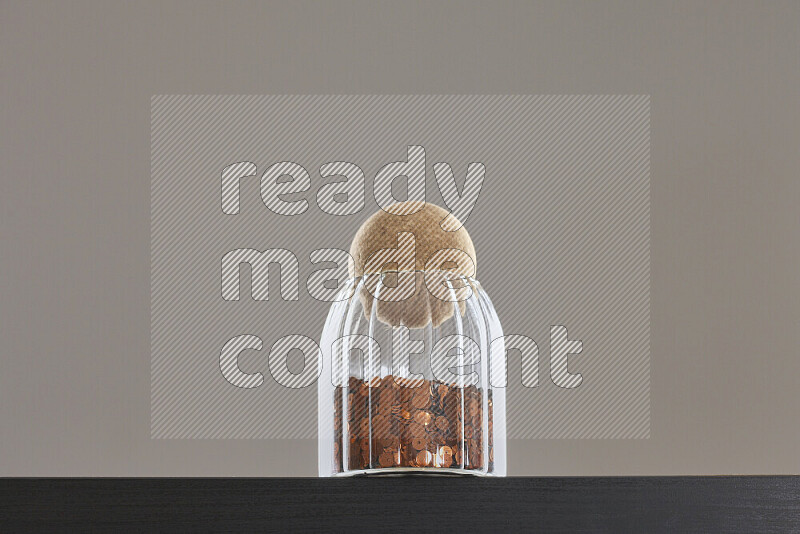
{"x":414,"y":471}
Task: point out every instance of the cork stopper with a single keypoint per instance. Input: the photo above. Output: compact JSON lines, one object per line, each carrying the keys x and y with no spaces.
{"x":416,"y":269}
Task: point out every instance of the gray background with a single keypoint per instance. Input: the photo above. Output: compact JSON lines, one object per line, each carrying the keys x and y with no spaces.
{"x":561,"y":230}
{"x":76,"y":85}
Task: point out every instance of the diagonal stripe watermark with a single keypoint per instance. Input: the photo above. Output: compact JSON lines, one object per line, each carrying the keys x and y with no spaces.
{"x":254,"y":201}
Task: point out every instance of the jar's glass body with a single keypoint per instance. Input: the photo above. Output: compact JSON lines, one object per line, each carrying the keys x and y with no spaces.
{"x":395,"y":400}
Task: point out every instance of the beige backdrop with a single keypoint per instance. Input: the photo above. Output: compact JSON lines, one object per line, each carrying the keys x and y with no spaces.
{"x":77,"y":78}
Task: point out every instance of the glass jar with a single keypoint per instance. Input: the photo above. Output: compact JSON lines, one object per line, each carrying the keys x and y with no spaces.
{"x":405,"y":386}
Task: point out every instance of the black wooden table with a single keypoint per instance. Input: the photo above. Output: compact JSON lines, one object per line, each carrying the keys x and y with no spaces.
{"x":624,"y":504}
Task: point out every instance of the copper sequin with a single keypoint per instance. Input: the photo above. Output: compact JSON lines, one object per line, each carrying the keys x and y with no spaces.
{"x":424,"y":458}
{"x":422,"y":417}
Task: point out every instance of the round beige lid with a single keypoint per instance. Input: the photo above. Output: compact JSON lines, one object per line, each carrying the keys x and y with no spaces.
{"x":412,"y":240}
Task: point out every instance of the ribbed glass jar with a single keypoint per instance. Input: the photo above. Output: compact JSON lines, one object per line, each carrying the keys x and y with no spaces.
{"x":400,"y":400}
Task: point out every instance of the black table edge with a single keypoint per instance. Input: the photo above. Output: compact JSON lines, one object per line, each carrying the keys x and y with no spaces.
{"x":443,"y":504}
